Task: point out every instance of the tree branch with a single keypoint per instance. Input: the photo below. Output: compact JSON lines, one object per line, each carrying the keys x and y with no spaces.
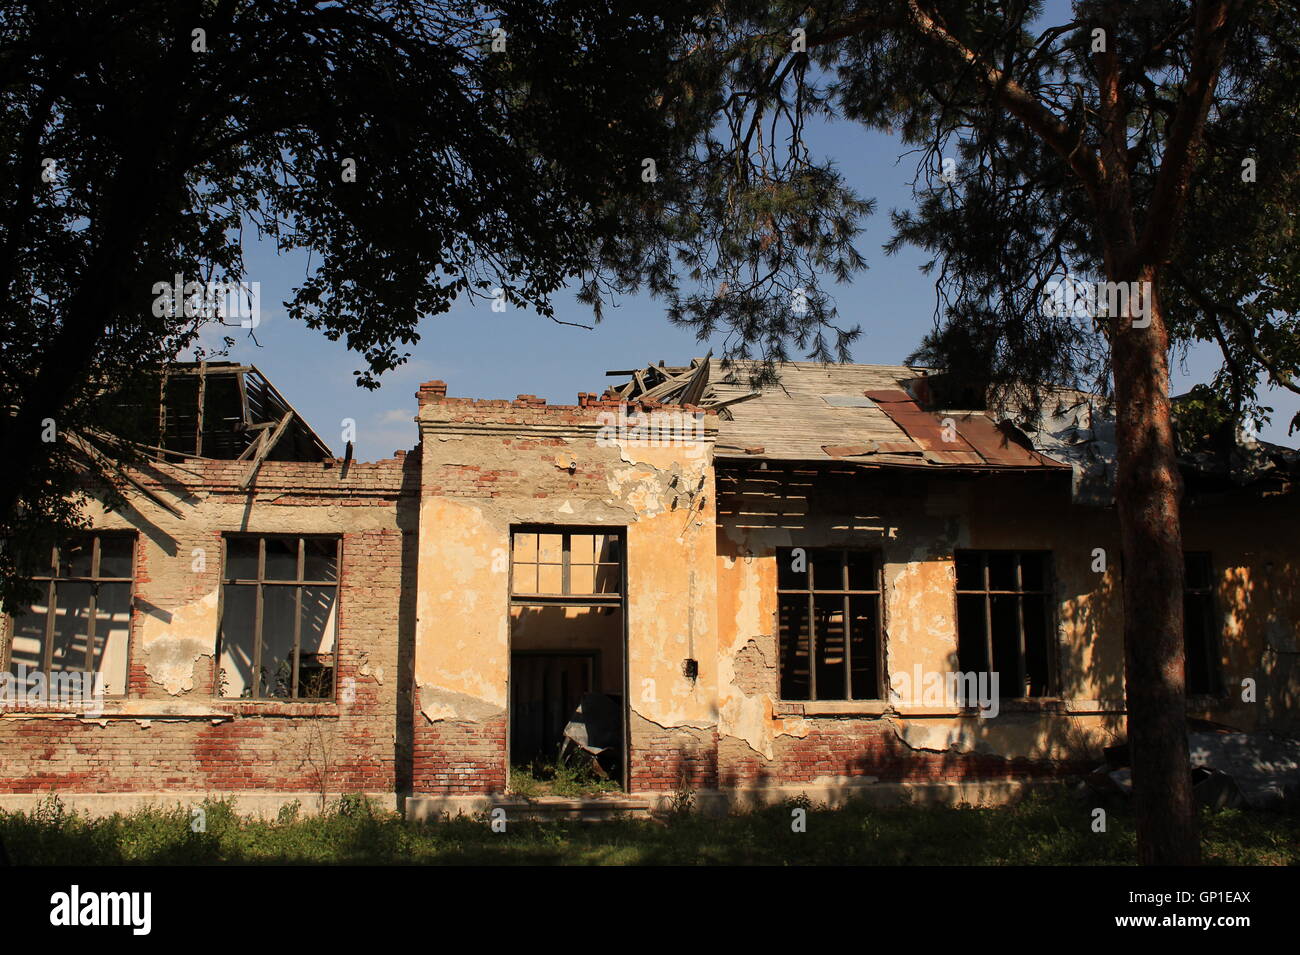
{"x":1213,"y":26}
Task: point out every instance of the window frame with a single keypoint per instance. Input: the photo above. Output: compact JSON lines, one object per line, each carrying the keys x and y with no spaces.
{"x":1212,"y":642}
{"x":1050,"y":611}
{"x":51,"y":582}
{"x":566,"y":533}
{"x":812,"y":592}
{"x":260,"y":582}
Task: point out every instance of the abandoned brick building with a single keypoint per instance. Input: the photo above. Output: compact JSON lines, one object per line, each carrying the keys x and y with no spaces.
{"x":750,"y":584}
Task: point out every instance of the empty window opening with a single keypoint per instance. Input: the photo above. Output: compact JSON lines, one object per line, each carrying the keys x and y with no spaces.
{"x":829,"y":624}
{"x":1200,"y":633}
{"x":1004,"y":619}
{"x":567,"y":659}
{"x":278,"y":617}
{"x":83,"y":622}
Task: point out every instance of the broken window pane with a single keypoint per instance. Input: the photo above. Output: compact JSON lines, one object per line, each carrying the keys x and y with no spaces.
{"x":83,"y":623}
{"x":1037,"y":665}
{"x":279,"y":610}
{"x":1010,"y":617}
{"x":241,"y":558}
{"x":971,"y":651}
{"x":281,"y":558}
{"x":112,"y":636}
{"x":71,"y":614}
{"x":835,"y":654}
{"x":116,"y":556}
{"x":864,"y":624}
{"x":237,"y":634}
{"x":1033,"y":571}
{"x":829,"y":628}
{"x":550,"y":579}
{"x":827,"y":569}
{"x":862,"y":571}
{"x":320,"y":560}
{"x":565,"y":564}
{"x":794,"y":636}
{"x":970,"y":571}
{"x":1200,"y":643}
{"x":26,"y":649}
{"x":1002,"y":570}
{"x":791,"y":569}
{"x":277,"y":632}
{"x":316,"y":657}
{"x":75,"y":558}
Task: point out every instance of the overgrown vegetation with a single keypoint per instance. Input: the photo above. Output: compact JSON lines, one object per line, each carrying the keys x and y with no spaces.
{"x":558,"y":778}
{"x":1042,"y":831}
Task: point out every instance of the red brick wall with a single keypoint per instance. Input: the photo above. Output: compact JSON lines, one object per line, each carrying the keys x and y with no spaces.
{"x":459,"y":758}
{"x":232,"y":745}
{"x":665,"y":760}
{"x":864,"y":747}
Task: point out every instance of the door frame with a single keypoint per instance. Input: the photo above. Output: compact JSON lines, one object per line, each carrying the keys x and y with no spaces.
{"x":535,"y":527}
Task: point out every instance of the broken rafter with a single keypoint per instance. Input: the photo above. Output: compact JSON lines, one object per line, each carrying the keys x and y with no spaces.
{"x":109,"y":468}
{"x":718,"y":405}
{"x":265,"y":447}
{"x":693,"y":394}
{"x":668,"y":384}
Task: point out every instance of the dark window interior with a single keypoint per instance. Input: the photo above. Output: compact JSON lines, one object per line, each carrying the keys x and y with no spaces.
{"x":1200,"y":642}
{"x":1003,"y":619}
{"x":829,"y":625}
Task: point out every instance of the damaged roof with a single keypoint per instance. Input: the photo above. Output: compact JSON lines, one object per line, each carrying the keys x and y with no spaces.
{"x":855,"y":413}
{"x":228,"y":411}
{"x":877,"y":415}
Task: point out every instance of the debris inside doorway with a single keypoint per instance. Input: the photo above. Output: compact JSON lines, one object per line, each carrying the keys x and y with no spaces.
{"x":560,"y":778}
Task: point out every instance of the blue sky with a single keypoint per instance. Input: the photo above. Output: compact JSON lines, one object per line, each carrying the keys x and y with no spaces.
{"x":486,"y":354}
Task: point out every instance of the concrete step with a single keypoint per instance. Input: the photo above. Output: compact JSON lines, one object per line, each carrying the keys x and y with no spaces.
{"x":584,"y":809}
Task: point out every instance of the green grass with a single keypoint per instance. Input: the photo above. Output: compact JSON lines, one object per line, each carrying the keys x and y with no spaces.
{"x":1044,"y":831}
{"x":558,"y":779}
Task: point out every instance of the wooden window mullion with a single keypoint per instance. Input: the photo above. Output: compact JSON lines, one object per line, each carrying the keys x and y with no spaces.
{"x":988,"y":615}
{"x":882,"y":688}
{"x":566,"y":554}
{"x":848,"y":641}
{"x":91,"y":609}
{"x":812,"y":637}
{"x":297,"y":617}
{"x":257,"y":619}
{"x":51,"y":609}
{"x":1022,"y":663}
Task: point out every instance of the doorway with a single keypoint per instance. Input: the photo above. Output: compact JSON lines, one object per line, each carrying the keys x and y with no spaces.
{"x":568,"y":661}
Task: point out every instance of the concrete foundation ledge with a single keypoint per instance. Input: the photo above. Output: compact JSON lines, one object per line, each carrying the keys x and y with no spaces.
{"x":261,"y":805}
{"x":830,"y":792}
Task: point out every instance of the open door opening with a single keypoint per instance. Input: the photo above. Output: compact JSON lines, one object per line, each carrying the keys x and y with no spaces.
{"x":568,"y":661}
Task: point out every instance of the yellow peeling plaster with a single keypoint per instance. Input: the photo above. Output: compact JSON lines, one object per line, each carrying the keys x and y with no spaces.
{"x":661,"y":495}
{"x":747,"y":609}
{"x":462,"y":624}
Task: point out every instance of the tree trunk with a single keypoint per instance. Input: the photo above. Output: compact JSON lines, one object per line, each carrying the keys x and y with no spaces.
{"x":1147,"y":494}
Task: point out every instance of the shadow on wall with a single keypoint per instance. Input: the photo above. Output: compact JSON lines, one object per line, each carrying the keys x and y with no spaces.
{"x":871,"y":746}
{"x":1258,"y":608}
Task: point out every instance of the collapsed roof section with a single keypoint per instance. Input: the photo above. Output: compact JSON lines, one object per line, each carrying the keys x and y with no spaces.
{"x":846,"y":413}
{"x":227,"y":411}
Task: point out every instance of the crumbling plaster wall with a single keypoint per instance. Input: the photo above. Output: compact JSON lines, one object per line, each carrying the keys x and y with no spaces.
{"x":171,"y":732}
{"x":916,"y":522}
{"x":489,"y":465}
